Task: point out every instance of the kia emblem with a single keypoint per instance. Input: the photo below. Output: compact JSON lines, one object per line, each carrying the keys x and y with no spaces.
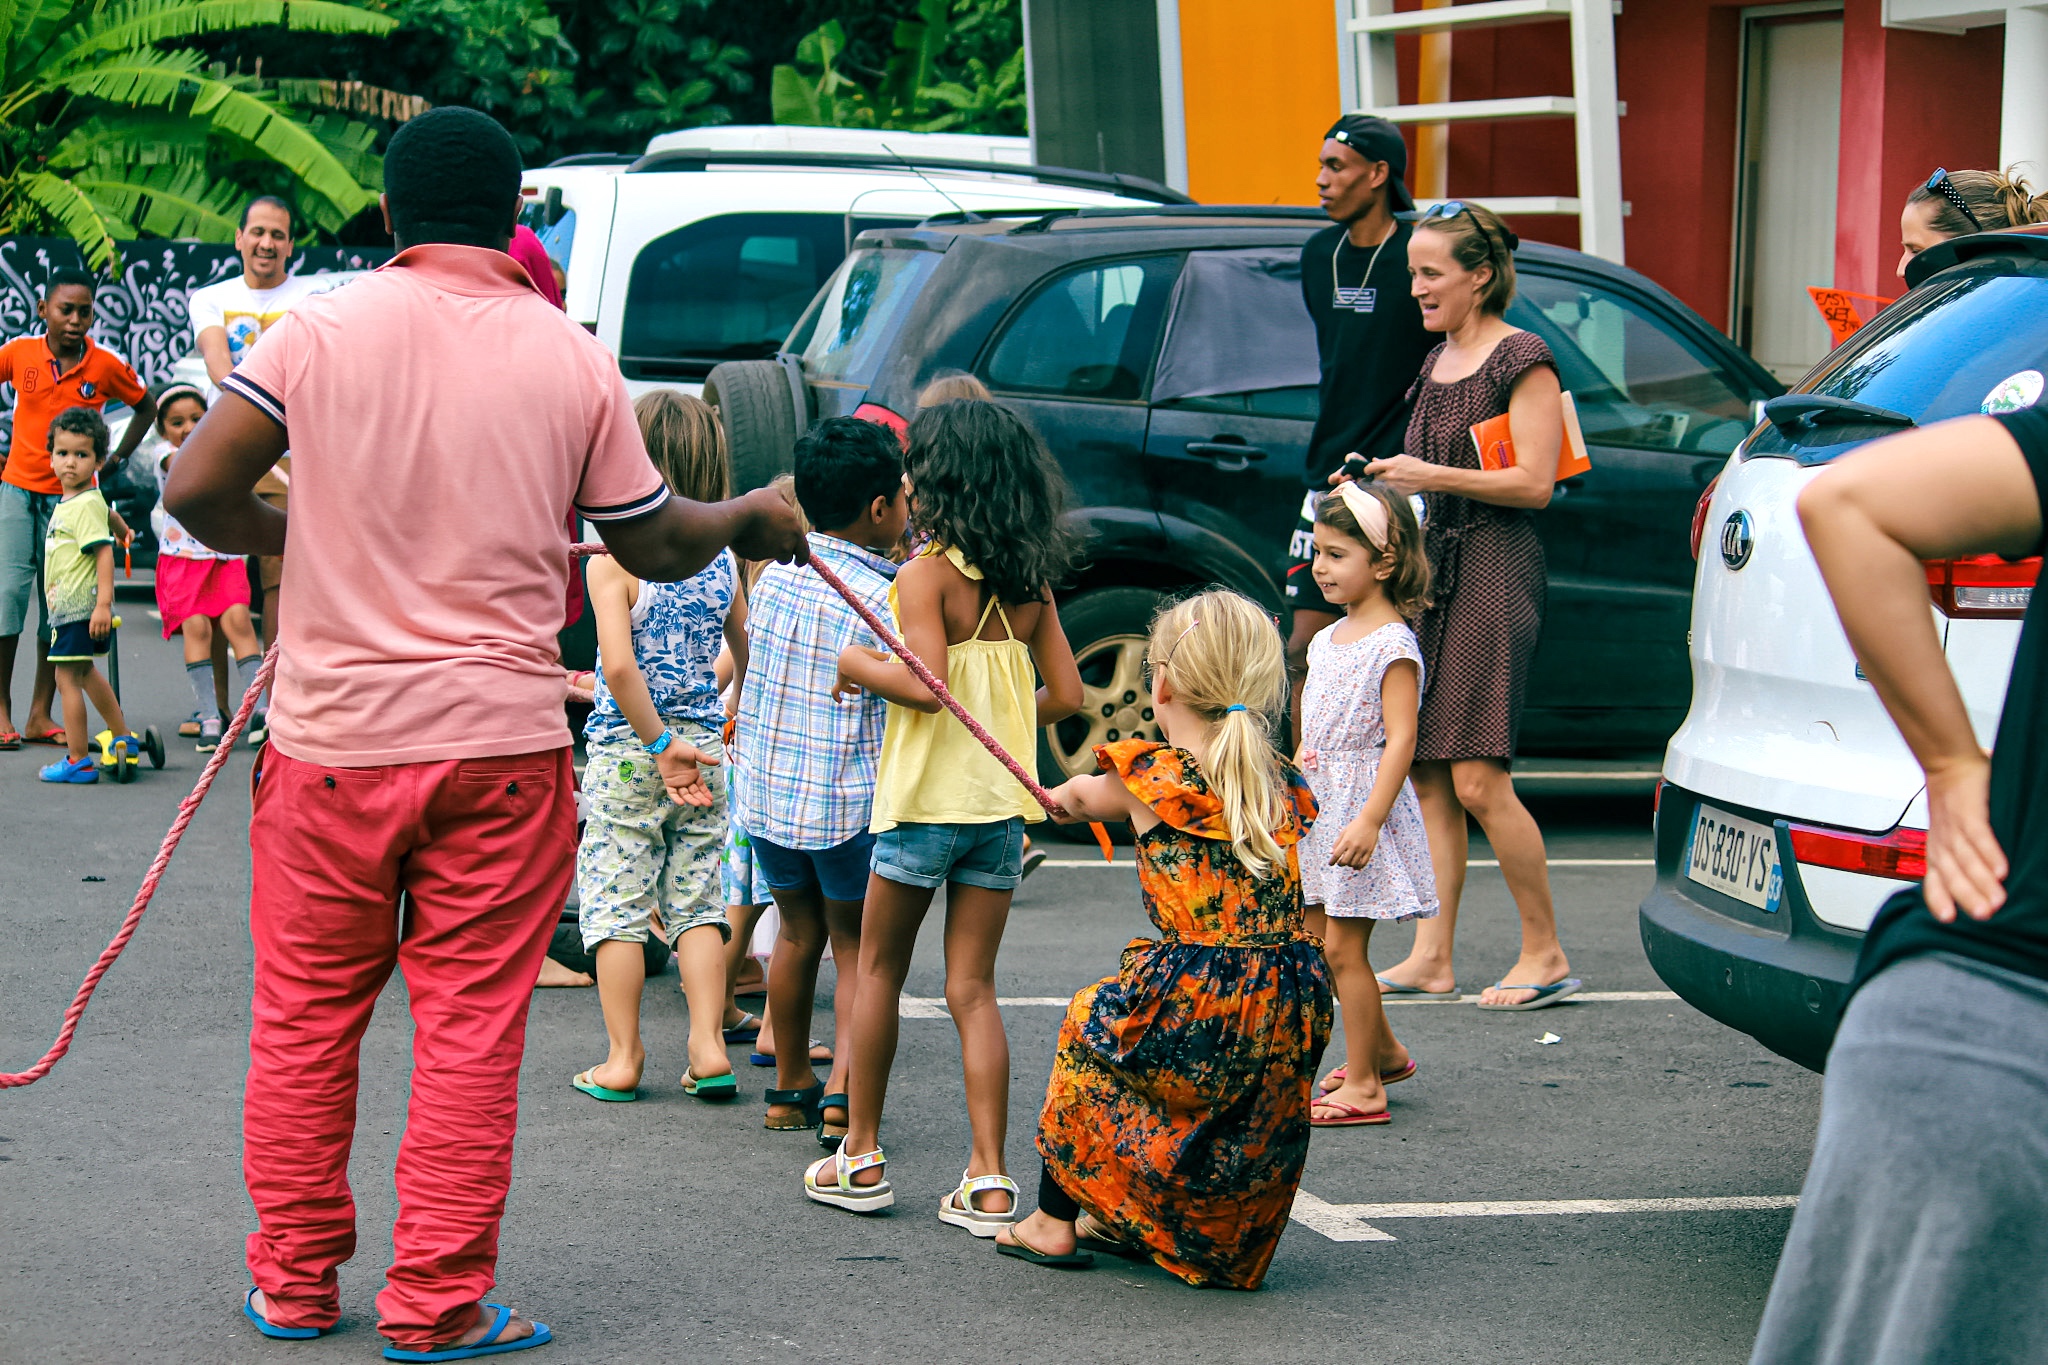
{"x":1738,"y":538}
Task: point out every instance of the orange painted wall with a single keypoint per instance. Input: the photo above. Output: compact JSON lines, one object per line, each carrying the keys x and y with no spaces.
{"x":1261,"y":86}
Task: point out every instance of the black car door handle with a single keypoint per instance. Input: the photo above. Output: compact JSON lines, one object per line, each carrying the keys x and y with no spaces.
{"x":1228,"y":456}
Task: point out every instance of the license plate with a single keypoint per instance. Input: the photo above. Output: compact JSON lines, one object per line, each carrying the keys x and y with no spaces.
{"x":1736,"y":857}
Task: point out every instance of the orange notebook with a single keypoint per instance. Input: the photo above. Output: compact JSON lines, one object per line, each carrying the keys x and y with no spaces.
{"x":1497,"y":448}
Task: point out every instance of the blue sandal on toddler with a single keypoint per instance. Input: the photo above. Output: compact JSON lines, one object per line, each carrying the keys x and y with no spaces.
{"x":65,"y":770}
{"x":488,"y":1345}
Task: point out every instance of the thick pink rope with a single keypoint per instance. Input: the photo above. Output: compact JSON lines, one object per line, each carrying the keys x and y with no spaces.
{"x":186,"y":810}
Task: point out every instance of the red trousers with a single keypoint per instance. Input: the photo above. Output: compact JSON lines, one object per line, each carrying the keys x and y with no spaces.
{"x":482,"y":851}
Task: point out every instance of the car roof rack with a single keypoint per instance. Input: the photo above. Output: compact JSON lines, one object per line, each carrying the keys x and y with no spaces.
{"x":596,"y":159}
{"x":1284,"y":212}
{"x":2030,"y":240}
{"x":692,"y":159}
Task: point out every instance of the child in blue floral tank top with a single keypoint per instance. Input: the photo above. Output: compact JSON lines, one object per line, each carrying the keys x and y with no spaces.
{"x":654,"y":843}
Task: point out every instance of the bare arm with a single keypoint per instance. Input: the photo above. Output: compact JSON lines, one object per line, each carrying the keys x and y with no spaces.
{"x":103,"y":600}
{"x":1400,"y":697}
{"x":680,"y":537}
{"x":1102,"y":797}
{"x":1536,"y":424}
{"x":736,"y":649}
{"x":211,"y":487}
{"x":920,"y":604}
{"x":138,"y":427}
{"x":1959,"y":487}
{"x":213,"y":349}
{"x":1060,"y":696}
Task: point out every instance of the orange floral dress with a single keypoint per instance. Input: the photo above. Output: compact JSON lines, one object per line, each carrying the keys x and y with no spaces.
{"x":1178,"y":1107}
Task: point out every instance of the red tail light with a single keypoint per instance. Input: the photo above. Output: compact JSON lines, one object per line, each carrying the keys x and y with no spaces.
{"x":881,"y":416}
{"x":1900,"y":855}
{"x":1982,"y":587}
{"x":1699,"y":514}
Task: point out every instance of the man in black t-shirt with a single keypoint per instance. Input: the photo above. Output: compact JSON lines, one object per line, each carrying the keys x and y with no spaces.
{"x":1369,"y":337}
{"x":1922,"y":1233}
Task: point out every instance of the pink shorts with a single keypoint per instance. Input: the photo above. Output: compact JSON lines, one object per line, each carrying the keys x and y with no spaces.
{"x":198,"y":587}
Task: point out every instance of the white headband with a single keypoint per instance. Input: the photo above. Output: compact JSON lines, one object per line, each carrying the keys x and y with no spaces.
{"x":1369,"y":511}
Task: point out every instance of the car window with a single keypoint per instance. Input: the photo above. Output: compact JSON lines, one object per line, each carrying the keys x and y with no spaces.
{"x":558,"y":241}
{"x":726,"y":288}
{"x":1088,"y":334}
{"x":846,"y":335}
{"x":1634,"y":381}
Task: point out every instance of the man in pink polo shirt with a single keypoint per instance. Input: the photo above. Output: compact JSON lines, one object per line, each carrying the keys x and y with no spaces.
{"x":415,"y":805}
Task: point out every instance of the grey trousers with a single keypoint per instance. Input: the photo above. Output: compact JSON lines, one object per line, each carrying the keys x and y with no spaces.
{"x":1922,"y":1233}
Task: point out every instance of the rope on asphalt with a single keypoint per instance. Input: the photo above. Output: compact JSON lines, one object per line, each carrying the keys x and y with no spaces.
{"x":186,"y":810}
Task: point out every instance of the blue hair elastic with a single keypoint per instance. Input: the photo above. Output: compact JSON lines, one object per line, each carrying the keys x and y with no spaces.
{"x":1234,"y":706}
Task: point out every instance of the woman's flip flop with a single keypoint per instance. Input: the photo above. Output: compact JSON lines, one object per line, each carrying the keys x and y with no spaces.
{"x":1396,"y":988}
{"x":1343,"y":1072}
{"x":1347,"y":1115}
{"x":1077,"y":1259}
{"x":1546,"y":996}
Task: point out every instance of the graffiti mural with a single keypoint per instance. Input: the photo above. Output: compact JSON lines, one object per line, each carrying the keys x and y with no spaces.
{"x":141,"y":314}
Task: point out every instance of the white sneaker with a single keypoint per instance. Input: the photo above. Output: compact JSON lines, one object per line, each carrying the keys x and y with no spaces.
{"x":259,"y":729}
{"x":209,"y":735}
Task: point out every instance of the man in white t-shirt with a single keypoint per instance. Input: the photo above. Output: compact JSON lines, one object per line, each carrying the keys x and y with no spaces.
{"x":230,"y":317}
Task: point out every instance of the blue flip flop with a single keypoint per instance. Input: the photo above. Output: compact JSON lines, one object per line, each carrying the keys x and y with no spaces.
{"x":746,"y":1030}
{"x":1390,"y":988}
{"x":488,"y":1346}
{"x":271,"y":1330}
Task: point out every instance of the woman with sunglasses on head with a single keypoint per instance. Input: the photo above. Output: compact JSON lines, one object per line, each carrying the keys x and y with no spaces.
{"x":1480,"y":631}
{"x":1957,"y":203}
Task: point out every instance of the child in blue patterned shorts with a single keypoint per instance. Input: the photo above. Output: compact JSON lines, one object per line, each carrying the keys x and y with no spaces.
{"x":654,"y":844}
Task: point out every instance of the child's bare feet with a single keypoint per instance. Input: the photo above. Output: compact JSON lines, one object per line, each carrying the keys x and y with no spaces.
{"x":553,"y":973}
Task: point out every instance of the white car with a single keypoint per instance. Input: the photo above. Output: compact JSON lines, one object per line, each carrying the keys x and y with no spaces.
{"x":1791,"y":809}
{"x":709,"y":247}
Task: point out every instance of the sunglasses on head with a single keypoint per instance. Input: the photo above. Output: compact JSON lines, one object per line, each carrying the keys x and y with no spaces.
{"x":1940,"y":184}
{"x":1454,"y":208}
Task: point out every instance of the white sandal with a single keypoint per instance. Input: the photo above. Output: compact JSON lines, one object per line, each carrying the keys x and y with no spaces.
{"x":963,"y":1214}
{"x":835,"y":1186}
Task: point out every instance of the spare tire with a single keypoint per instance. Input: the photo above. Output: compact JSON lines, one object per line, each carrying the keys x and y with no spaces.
{"x":757,"y":401}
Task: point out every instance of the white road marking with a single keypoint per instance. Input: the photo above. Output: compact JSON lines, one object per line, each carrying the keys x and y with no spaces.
{"x":932,"y":1007}
{"x":1354,"y":1222}
{"x":1476,"y":862}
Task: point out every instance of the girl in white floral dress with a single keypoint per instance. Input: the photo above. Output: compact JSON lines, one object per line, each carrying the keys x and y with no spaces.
{"x":1367,"y":857}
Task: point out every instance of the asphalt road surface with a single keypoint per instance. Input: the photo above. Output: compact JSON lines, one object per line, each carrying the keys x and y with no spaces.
{"x":670,"y":1230}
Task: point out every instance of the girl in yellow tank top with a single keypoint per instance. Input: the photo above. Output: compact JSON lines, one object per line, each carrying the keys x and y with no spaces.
{"x":976,"y":606}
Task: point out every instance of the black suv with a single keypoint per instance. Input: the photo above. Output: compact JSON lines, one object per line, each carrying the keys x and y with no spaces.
{"x":1167,"y":358}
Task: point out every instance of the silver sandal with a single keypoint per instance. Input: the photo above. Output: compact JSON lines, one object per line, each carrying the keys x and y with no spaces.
{"x":963,"y":1214}
{"x":835,"y":1186}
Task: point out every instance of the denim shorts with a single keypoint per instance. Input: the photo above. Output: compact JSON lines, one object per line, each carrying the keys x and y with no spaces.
{"x":840,"y":872}
{"x":990,"y":855}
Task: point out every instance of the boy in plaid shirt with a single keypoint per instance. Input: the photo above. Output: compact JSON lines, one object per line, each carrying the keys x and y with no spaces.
{"x":805,"y":762}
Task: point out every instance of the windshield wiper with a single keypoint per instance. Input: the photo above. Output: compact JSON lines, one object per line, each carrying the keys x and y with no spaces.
{"x":1796,"y":413}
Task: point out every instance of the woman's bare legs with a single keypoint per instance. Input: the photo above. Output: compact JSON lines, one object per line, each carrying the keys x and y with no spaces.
{"x":1428,"y":964}
{"x":1370,"y":1048}
{"x":1485,"y":788}
{"x":700,"y":960}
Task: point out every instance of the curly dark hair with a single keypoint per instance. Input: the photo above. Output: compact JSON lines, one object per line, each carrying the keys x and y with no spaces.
{"x":983,"y":482}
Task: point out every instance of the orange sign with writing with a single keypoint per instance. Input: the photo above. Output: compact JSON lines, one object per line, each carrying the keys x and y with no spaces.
{"x":1845,"y":311}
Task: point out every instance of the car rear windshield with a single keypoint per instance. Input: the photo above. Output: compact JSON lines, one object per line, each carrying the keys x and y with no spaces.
{"x":1943,"y":355}
{"x":846,"y":335}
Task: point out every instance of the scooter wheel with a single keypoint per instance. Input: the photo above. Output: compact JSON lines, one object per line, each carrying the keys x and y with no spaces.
{"x":153,"y":743}
{"x":124,"y":768}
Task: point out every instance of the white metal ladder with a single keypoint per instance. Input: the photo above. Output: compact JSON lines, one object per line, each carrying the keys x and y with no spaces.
{"x":1366,"y":48}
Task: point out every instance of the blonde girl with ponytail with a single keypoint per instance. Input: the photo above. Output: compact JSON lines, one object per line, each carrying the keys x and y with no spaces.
{"x":1177,"y":1117}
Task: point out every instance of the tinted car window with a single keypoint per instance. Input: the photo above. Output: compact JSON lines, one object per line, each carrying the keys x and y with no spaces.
{"x":844,"y":338}
{"x":1936,"y":355}
{"x":1635,"y":383}
{"x":726,"y":288}
{"x":1089,"y":333}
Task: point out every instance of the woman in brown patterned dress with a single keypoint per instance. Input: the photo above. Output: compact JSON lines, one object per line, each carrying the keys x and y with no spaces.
{"x":1487,"y":567}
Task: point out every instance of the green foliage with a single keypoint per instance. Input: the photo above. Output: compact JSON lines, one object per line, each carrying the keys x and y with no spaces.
{"x":957,"y":66}
{"x":104,"y":133}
